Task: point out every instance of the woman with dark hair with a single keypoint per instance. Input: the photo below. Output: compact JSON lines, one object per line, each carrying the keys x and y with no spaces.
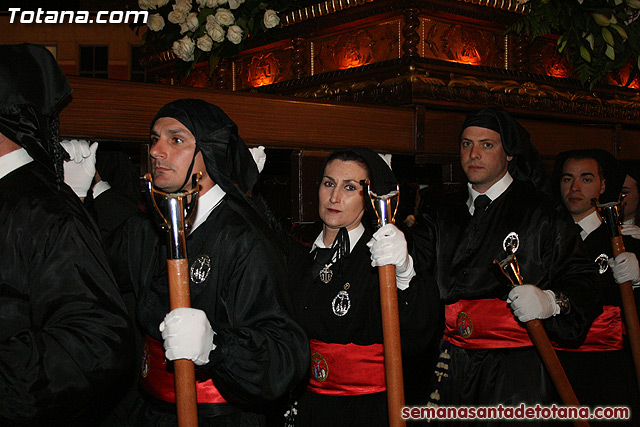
{"x":335,"y":297}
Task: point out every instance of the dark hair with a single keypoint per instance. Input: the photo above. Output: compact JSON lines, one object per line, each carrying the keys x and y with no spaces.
{"x":345,"y":156}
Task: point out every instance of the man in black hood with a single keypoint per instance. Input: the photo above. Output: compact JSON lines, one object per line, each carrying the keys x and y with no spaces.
{"x":248,"y":352}
{"x":65,"y":338}
{"x":492,"y":359}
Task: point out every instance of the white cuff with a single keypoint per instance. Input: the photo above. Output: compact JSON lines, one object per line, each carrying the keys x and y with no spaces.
{"x":100,"y":188}
{"x":403,"y":279}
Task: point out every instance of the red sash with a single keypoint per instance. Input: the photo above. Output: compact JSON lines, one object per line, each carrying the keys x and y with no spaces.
{"x":605,"y":333}
{"x":158,"y":381}
{"x":483,"y":323}
{"x":346,"y":369}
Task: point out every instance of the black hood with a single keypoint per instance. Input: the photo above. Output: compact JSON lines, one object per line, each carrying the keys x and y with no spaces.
{"x":33,"y":89}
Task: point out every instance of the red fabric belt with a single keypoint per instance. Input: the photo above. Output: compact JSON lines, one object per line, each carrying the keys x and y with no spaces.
{"x":605,"y":333}
{"x":483,"y":323}
{"x":346,"y":369}
{"x":157,"y":380}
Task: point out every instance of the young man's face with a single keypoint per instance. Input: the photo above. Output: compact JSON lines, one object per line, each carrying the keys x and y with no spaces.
{"x":579,"y":184}
{"x":172,"y":148}
{"x":482,"y":157}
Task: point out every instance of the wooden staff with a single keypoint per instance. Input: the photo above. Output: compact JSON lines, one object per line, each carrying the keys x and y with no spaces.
{"x":609,"y":212}
{"x":390,"y":318}
{"x":173,"y":213}
{"x":540,"y":340}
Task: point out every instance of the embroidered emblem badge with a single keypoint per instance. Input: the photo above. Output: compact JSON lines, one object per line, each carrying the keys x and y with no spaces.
{"x":603,"y":263}
{"x":341,"y":303}
{"x":200,"y":269}
{"x":326,"y":274}
{"x":144,"y":371}
{"x":464,"y":325}
{"x":319,"y":367}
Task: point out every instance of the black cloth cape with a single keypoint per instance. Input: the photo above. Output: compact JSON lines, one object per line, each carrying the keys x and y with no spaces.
{"x":65,"y":338}
{"x":311,"y":306}
{"x":260,"y":351}
{"x":459,"y":250}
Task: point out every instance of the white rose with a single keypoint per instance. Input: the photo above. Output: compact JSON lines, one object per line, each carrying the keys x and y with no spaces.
{"x":221,"y":2}
{"x":205,"y":43}
{"x":183,"y":6}
{"x":190,"y":24}
{"x":234,"y":34}
{"x":144,"y":4}
{"x":177,"y":17}
{"x":234,"y":4}
{"x":225,"y":17}
{"x":215,"y":31}
{"x":207,"y":3}
{"x":184,"y":48}
{"x":271,"y":18}
{"x":634,"y":4}
{"x":160,"y":3}
{"x":156,"y":22}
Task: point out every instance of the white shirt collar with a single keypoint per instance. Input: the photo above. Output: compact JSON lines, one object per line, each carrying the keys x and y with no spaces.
{"x":493,"y":192}
{"x":13,"y":160}
{"x":589,"y":223}
{"x":206,"y":204}
{"x":354,"y":235}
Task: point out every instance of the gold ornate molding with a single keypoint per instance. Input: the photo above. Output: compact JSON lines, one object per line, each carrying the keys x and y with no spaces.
{"x":320,"y":9}
{"x":509,"y":5}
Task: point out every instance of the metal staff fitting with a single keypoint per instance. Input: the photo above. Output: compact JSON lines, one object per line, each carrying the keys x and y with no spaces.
{"x":511,"y":269}
{"x":385,"y":207}
{"x":174,"y":211}
{"x":611,"y":213}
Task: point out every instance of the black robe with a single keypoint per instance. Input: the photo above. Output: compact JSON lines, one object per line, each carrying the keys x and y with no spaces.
{"x":65,"y":338}
{"x":260,"y":352}
{"x":611,"y":377}
{"x":311,"y":305}
{"x":460,"y":249}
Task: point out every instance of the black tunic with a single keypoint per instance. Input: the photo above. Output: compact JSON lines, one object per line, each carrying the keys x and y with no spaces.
{"x":312,"y":307}
{"x":65,"y":337}
{"x":260,"y":351}
{"x":460,"y":250}
{"x":611,"y":379}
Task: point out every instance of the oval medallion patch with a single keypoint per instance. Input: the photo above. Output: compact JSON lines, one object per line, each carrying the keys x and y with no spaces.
{"x":200,"y":268}
{"x":319,"y":367}
{"x":464,"y":325}
{"x":603,"y":263}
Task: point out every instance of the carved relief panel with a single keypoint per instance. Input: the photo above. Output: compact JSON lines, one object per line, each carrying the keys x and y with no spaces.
{"x":462,"y":43}
{"x":357,"y":47}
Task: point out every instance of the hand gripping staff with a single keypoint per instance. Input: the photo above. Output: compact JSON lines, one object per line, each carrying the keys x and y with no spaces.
{"x":385,"y":211}
{"x":173,"y":208}
{"x":610,"y":214}
{"x":510,"y":268}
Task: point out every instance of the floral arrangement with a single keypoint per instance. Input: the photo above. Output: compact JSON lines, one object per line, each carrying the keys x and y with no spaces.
{"x":597,"y":36}
{"x":196,"y":30}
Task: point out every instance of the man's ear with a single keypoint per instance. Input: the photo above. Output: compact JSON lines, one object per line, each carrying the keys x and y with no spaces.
{"x":603,"y":185}
{"x":509,"y":158}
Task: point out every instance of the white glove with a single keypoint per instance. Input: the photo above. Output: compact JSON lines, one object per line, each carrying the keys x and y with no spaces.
{"x":529,"y":302}
{"x":81,"y":168}
{"x":259,"y":156}
{"x":631,"y":230}
{"x":187,"y":334}
{"x":625,"y":268}
{"x":388,"y":246}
